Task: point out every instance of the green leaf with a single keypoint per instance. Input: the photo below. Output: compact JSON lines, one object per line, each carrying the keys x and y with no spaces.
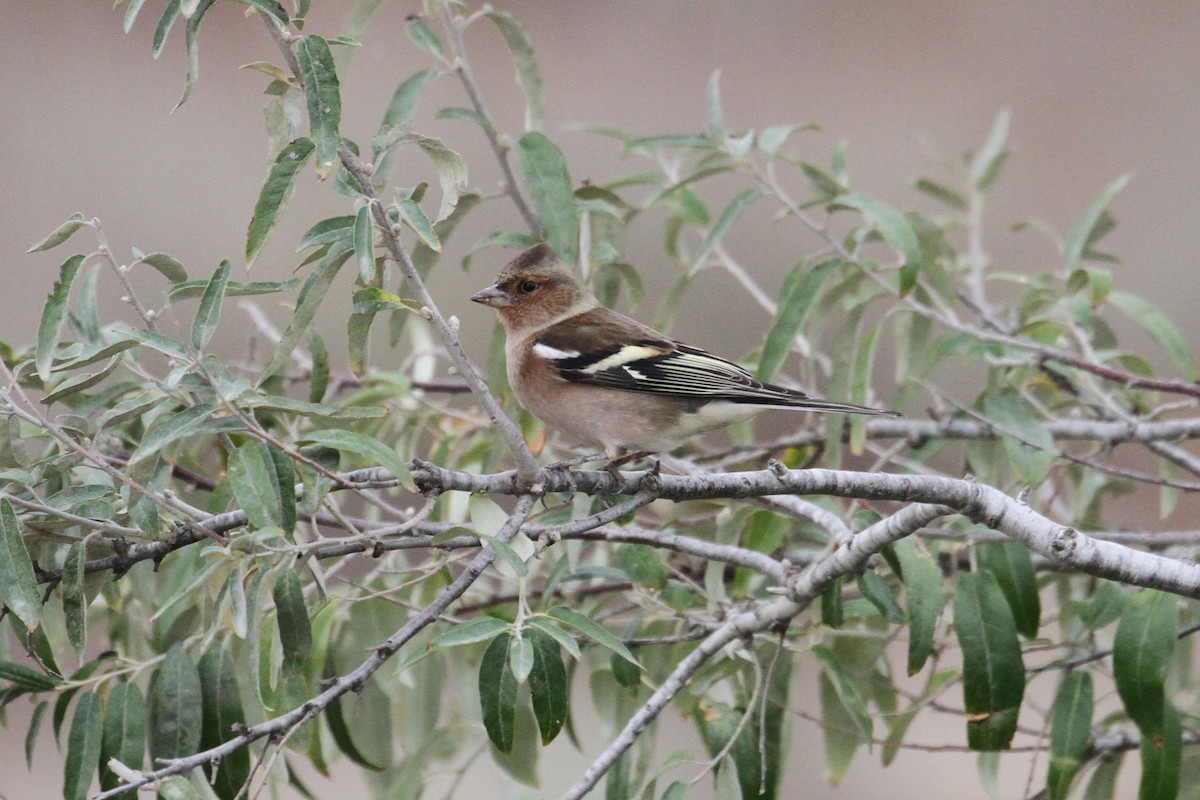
{"x":993,"y":673}
{"x":291,"y":615}
{"x":208,"y":315}
{"x":326,"y":231}
{"x":565,"y":640}
{"x":264,"y":485}
{"x":1092,"y":225}
{"x":923,"y":587}
{"x":875,"y":589}
{"x":477,"y":630}
{"x":192,"y":39}
{"x":124,"y":734}
{"x":548,"y":684}
{"x":18,"y":584}
{"x":1105,"y":606}
{"x":31,"y":734}
{"x":943,"y":193}
{"x":323,"y":98}
{"x":54,"y":314}
{"x":364,"y":246}
{"x":275,"y":193}
{"x":422,"y":35}
{"x":1070,"y":733}
{"x":1012,"y":567}
{"x":549,"y":184}
{"x":1161,"y":759}
{"x":528,"y":76}
{"x":176,"y":706}
{"x":60,"y":234}
{"x":1027,"y":442}
{"x":399,"y":110}
{"x":847,"y":693}
{"x":74,"y":600}
{"x":838,"y":730}
{"x":592,"y":630}
{"x":26,"y":679}
{"x":724,"y":222}
{"x":890,"y":223}
{"x":796,"y":298}
{"x":712,"y":109}
{"x":412,"y":215}
{"x":165,"y":23}
{"x":985,"y":166}
{"x":367,"y":447}
{"x":83,"y":747}
{"x":1143,"y":649}
{"x":1159,"y":326}
{"x":643,"y":565}
{"x":222,"y":714}
{"x":498,"y":693}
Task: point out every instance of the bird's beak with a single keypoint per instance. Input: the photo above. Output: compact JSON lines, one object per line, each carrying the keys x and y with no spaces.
{"x":493,"y":296}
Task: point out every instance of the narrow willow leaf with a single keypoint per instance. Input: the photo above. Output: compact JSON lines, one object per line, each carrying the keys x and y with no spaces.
{"x":192,"y":38}
{"x":529,"y":78}
{"x":208,"y":315}
{"x":548,"y":684}
{"x":477,"y":630}
{"x":1159,"y":326}
{"x":993,"y":673}
{"x":165,"y":23}
{"x":124,"y":734}
{"x":256,"y":486}
{"x":944,"y":193}
{"x":838,"y":730}
{"x":291,"y":615}
{"x":83,"y":747}
{"x":592,"y":630}
{"x":985,"y":166}
{"x":412,"y":215}
{"x":796,"y":298}
{"x":1143,"y":649}
{"x":1012,"y":567}
{"x":60,"y":234}
{"x":26,"y":679}
{"x":712,"y":109}
{"x":364,"y":247}
{"x":366,"y":447}
{"x":452,"y":174}
{"x":31,"y":735}
{"x":847,"y":693}
{"x":311,"y":295}
{"x":923,"y":587}
{"x":520,"y":657}
{"x":549,"y":184}
{"x":54,"y":314}
{"x":860,"y":384}
{"x":642,"y":564}
{"x":74,"y":599}
{"x":565,"y":640}
{"x":131,"y":13}
{"x":191,"y":289}
{"x":79,"y":383}
{"x":176,"y":706}
{"x":1027,"y":442}
{"x":890,"y":223}
{"x":875,"y":589}
{"x":399,"y":110}
{"x":275,"y":193}
{"x":18,"y":584}
{"x":319,"y":383}
{"x":323,"y":97}
{"x":222,"y":715}
{"x":498,"y":693}
{"x":736,"y":207}
{"x":1161,"y":759}
{"x":1091,"y":227}
{"x":1105,"y":607}
{"x":422,"y":35}
{"x":1070,"y":733}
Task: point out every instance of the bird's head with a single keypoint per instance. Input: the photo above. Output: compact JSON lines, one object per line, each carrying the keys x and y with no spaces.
{"x":535,"y":290}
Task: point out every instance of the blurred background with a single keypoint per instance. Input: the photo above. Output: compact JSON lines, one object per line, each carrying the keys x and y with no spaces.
{"x":1096,"y":88}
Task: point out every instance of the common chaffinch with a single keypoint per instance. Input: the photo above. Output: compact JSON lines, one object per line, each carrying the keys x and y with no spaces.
{"x":604,"y":379}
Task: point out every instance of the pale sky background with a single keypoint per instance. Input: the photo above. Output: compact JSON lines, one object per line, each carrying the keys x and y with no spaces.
{"x":1097,"y":88}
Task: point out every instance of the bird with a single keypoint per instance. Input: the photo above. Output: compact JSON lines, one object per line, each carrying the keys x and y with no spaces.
{"x":603,"y":379}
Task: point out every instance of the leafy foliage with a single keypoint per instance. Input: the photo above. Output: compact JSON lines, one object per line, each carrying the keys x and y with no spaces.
{"x":219,"y":547}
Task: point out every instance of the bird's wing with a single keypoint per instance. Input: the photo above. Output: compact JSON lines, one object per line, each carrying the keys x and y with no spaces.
{"x":605,"y":348}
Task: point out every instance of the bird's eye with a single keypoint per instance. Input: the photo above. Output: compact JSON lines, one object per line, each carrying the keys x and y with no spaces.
{"x":528,"y":286}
